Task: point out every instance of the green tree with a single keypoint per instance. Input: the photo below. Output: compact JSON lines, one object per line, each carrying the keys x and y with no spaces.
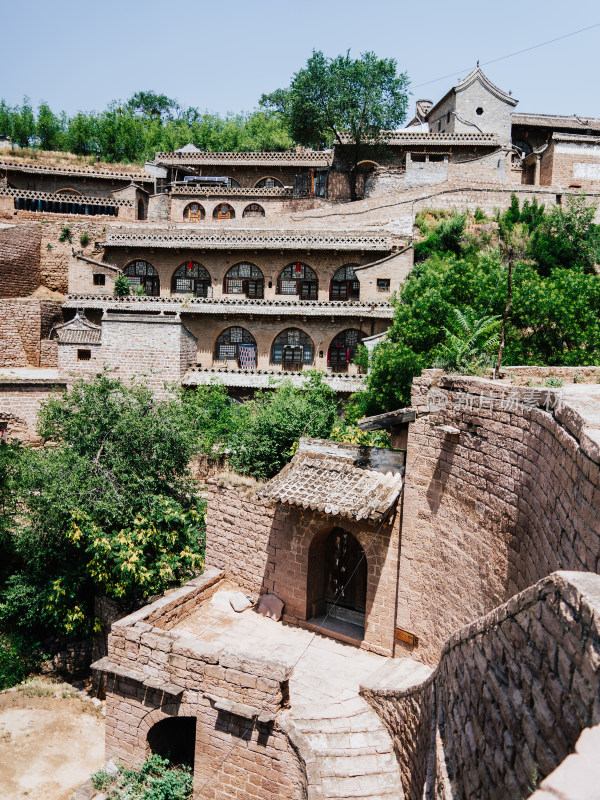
{"x":49,"y":129}
{"x":151,"y":104}
{"x":110,"y":508}
{"x":122,"y":285}
{"x":23,"y":125}
{"x":343,"y":100}
{"x":274,"y":421}
{"x":469,"y":343}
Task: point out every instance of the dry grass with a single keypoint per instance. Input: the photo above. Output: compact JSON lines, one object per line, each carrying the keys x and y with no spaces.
{"x":51,"y":158}
{"x":232,"y":479}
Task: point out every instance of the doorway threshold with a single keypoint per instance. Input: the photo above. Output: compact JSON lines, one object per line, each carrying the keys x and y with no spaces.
{"x":347,"y":632}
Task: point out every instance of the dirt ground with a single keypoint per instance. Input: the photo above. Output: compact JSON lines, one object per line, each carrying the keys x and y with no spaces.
{"x":49,"y":745}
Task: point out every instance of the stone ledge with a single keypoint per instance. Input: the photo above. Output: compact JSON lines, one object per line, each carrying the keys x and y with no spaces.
{"x":240,"y":709}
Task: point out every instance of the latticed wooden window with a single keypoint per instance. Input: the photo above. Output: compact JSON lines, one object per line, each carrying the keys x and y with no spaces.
{"x":142,"y":273}
{"x":224,"y":211}
{"x":254,"y":210}
{"x":269,"y":183}
{"x":292,"y":348}
{"x":299,"y":279}
{"x":245,"y":279}
{"x":343,"y":348}
{"x":191,"y":278}
{"x":236,"y":344}
{"x":345,"y":284}
{"x":193,"y":212}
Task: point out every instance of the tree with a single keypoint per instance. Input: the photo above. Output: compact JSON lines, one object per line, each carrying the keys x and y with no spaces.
{"x":49,"y":129}
{"x":514,"y":242}
{"x":469,"y":342}
{"x":151,"y":104}
{"x":122,"y":285}
{"x":110,"y":508}
{"x":23,"y":126}
{"x":343,"y":100}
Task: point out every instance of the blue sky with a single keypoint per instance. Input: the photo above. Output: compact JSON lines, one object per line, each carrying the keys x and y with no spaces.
{"x":221,"y":56}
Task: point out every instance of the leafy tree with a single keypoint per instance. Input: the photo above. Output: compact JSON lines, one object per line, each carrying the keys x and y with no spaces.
{"x":273,"y":422}
{"x":109,"y":508}
{"x":23,"y":124}
{"x":151,"y":104}
{"x":214,"y":415}
{"x":333,"y":98}
{"x":49,"y":129}
{"x":469,"y":342}
{"x":122,"y":285}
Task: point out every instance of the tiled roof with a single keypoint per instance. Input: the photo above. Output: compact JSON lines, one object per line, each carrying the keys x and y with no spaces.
{"x":242,"y":239}
{"x":409,"y":137}
{"x":79,"y":172}
{"x":574,"y":123}
{"x":231,"y":304}
{"x":339,"y":479}
{"x":78,"y":330}
{"x":300,"y":158}
{"x":269,"y":379}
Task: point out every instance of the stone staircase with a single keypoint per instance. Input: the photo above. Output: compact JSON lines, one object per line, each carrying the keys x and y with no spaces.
{"x":350,"y":752}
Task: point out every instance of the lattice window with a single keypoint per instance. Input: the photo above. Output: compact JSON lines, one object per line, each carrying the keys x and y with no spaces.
{"x":193,"y":212}
{"x":269,"y":183}
{"x":246,"y":279}
{"x":343,"y":348}
{"x":142,"y":273}
{"x":254,"y":210}
{"x":344,"y":284}
{"x":224,"y":211}
{"x":292,"y":348}
{"x":191,"y":278}
{"x":236,"y":344}
{"x":299,"y":279}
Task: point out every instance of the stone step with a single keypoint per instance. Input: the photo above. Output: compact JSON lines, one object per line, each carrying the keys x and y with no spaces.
{"x":362,"y":786}
{"x":353,"y":766}
{"x":359,"y":723}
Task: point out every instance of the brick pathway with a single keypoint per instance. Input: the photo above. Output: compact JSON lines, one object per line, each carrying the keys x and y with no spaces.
{"x":348,"y":750}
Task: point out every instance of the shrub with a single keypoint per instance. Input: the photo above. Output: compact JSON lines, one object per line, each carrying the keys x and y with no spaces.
{"x":122,"y":285}
{"x":65,"y":234}
{"x":156,"y":779}
{"x":18,"y":658}
{"x":84,"y":239}
{"x":553,"y":381}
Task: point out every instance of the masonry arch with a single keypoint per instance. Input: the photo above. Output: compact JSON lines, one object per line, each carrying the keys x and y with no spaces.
{"x":344,"y":284}
{"x":298,"y":279}
{"x":244,"y":279}
{"x":293,"y":349}
{"x":193,"y":212}
{"x":174,"y":738}
{"x":268,"y":183}
{"x":254,"y":210}
{"x":337,"y":577}
{"x":342,"y":349}
{"x":191,"y":278}
{"x":224,"y":211}
{"x":68,"y":191}
{"x":142,"y":273}
{"x":236,"y":344}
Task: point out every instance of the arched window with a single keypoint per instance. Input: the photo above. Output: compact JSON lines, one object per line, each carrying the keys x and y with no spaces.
{"x":191,"y":278}
{"x":345,"y":284}
{"x":141,"y":273}
{"x":67,"y":191}
{"x":343,"y":349}
{"x":233,"y":184}
{"x":245,"y":279}
{"x":269,"y":183}
{"x":193,"y":212}
{"x":299,"y":279}
{"x":292,"y":349}
{"x":224,"y":211}
{"x":236,"y":344}
{"x":254,"y":210}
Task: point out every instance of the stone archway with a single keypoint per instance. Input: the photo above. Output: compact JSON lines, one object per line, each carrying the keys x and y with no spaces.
{"x":337,"y":578}
{"x":174,"y":738}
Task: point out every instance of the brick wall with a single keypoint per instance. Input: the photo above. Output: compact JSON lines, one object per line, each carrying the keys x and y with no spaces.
{"x":280,"y":549}
{"x":23,"y":323}
{"x":20,"y":260}
{"x":220,"y":689}
{"x":510,"y":698}
{"x":56,"y":255}
{"x":512,"y":497}
{"x":19,"y":406}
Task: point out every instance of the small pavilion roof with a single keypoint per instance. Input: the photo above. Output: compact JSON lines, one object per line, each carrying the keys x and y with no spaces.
{"x":353,"y":481}
{"x":78,"y":330}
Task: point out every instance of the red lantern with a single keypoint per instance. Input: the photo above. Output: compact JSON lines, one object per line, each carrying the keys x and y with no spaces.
{"x":298,"y":267}
{"x":190,"y":265}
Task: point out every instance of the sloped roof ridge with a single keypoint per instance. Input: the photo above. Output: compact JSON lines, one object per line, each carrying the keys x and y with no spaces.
{"x":478,"y":73}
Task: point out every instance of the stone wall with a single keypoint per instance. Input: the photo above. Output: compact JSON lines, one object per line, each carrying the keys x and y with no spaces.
{"x":156,"y":672}
{"x":20,"y":260}
{"x":19,"y":405}
{"x":502,"y":488}
{"x":24,"y":322}
{"x":279,"y":549}
{"x":510,"y":698}
{"x":56,"y":255}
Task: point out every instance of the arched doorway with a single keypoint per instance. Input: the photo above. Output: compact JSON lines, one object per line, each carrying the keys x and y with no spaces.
{"x":174,"y":738}
{"x":337,"y":579}
{"x":141,"y":214}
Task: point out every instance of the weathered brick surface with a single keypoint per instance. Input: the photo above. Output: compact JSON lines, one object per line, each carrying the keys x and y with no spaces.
{"x":24,"y":322}
{"x":510,"y":697}
{"x":512,"y":497}
{"x":235,"y":756}
{"x":276,"y":548}
{"x":20,"y":260}
{"x":19,"y":406}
